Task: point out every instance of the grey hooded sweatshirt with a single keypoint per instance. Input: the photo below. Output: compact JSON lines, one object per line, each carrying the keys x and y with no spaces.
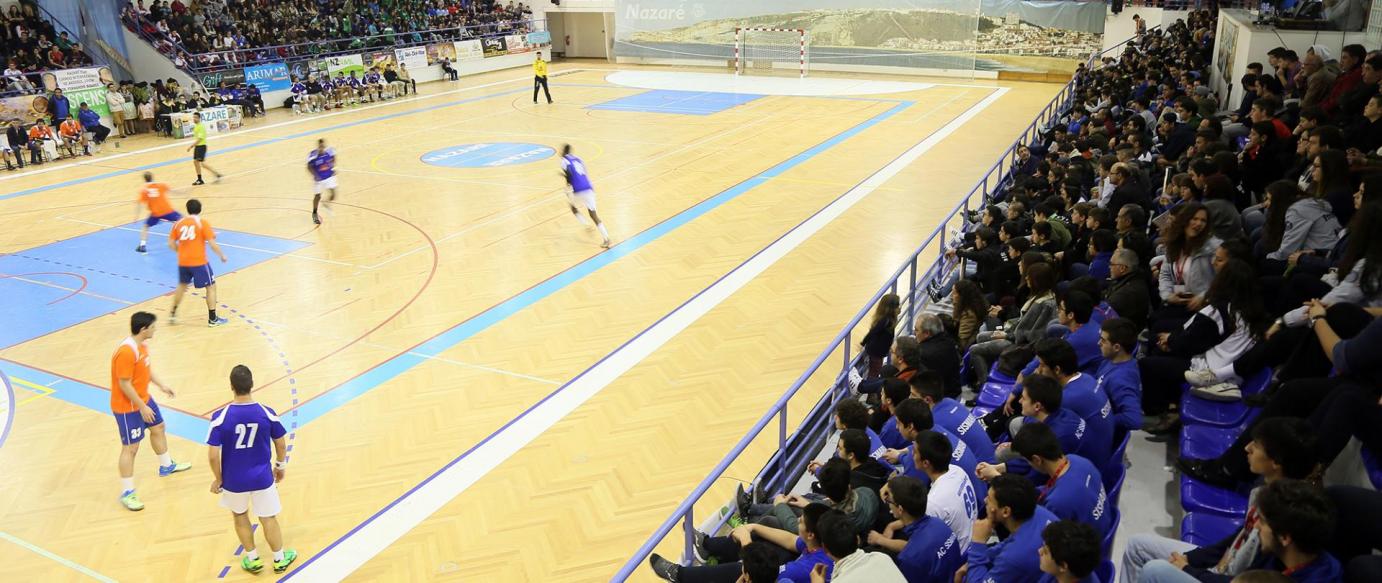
{"x":1310,"y":225}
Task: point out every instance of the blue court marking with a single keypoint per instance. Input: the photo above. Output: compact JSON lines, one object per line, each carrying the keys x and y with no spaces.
{"x":389,"y":369}
{"x":677,"y":102}
{"x":488,"y":155}
{"x":109,"y":275}
{"x":179,"y":423}
{"x":310,"y":133}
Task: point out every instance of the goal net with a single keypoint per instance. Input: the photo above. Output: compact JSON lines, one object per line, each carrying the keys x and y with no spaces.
{"x":770,"y":50}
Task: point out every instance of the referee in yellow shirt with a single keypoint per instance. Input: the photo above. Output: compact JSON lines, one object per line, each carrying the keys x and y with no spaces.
{"x":198,"y":149}
{"x":540,"y":78}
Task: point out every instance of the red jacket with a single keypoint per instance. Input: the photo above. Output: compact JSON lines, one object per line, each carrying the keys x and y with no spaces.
{"x":1342,"y":85}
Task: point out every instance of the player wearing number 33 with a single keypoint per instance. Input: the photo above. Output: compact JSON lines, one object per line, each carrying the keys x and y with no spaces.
{"x":189,"y":238}
{"x":245,"y":478}
{"x":136,"y":413}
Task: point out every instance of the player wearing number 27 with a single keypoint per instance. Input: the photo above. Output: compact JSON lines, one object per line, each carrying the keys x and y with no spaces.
{"x":136,"y":413}
{"x":239,"y":441}
{"x":190,"y":237}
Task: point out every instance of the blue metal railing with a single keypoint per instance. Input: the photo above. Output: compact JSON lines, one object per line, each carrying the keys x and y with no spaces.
{"x":794,"y":452}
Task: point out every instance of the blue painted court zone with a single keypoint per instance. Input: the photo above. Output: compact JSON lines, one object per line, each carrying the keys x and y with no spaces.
{"x":488,"y":155}
{"x":677,"y":102}
{"x":60,"y":284}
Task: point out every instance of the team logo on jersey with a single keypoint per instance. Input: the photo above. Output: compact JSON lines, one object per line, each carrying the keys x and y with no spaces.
{"x":488,"y":155}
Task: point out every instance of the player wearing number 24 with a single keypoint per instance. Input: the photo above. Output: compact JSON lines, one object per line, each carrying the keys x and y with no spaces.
{"x":239,"y":441}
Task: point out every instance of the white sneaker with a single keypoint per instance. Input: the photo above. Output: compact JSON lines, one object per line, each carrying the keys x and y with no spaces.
{"x":1200,"y":378}
{"x":1222,"y":392}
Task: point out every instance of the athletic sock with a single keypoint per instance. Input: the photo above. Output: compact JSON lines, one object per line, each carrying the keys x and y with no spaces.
{"x":253,"y":554}
{"x":278,"y":555}
{"x":211,"y":314}
{"x":603,"y":232}
{"x":127,"y":484}
{"x":199,"y":177}
{"x":143,"y":242}
{"x":165,"y":459}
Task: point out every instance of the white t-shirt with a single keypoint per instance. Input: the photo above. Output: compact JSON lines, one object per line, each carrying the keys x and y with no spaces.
{"x":952,"y":500}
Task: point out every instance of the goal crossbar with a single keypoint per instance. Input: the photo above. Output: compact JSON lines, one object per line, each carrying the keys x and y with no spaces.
{"x":793,"y":48}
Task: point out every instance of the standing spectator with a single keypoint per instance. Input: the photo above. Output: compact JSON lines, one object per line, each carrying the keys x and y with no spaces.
{"x":59,"y":107}
{"x":115,"y":101}
{"x":880,"y":335}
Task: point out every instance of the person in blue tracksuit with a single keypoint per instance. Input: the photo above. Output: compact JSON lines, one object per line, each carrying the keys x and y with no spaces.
{"x":1069,"y":553}
{"x":1011,"y":503}
{"x":1119,"y":376}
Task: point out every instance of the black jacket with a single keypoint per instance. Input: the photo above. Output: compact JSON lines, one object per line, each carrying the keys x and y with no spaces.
{"x":942,"y":354}
{"x":879,"y":340}
{"x":17,"y":136}
{"x":1130,"y":297}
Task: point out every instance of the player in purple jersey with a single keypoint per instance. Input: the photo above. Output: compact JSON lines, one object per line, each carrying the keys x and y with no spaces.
{"x":239,"y":441}
{"x":579,"y":190}
{"x":321,"y":164}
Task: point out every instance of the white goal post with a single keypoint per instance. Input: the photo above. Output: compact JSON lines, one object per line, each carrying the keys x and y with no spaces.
{"x":763,"y":48}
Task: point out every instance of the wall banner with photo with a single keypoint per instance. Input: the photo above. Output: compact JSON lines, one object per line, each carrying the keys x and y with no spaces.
{"x":25,"y":109}
{"x":83,"y":85}
{"x":345,"y":64}
{"x":437,"y":52}
{"x":517,"y":43}
{"x":469,"y":50}
{"x":495,"y":47}
{"x":381,"y":59}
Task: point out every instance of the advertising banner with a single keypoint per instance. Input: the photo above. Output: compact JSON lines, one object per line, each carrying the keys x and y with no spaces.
{"x":24,"y":108}
{"x":437,"y":52}
{"x":83,"y":85}
{"x":469,"y":50}
{"x":495,"y":46}
{"x":214,"y":81}
{"x":517,"y":43}
{"x":270,"y":77}
{"x":413,"y":57}
{"x":345,"y":64}
{"x":540,"y":37}
{"x":219,"y":119}
{"x":380,"y":59}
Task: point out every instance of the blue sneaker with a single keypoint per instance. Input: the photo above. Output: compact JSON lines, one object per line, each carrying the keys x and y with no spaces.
{"x":173,"y":468}
{"x":217,"y":322}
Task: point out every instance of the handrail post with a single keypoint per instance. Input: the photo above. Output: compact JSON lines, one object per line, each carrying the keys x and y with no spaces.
{"x":912,"y":303}
{"x":689,"y":528}
{"x":782,"y":443}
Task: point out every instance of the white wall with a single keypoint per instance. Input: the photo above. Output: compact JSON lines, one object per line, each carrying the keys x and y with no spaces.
{"x":591,"y":33}
{"x":148,"y":64}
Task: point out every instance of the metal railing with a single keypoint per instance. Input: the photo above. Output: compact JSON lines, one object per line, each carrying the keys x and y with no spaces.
{"x":786,"y":463}
{"x":196,"y":63}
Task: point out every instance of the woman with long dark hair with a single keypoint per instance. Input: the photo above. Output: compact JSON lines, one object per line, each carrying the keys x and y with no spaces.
{"x":879,"y":339}
{"x":1333,"y":184}
{"x":1188,"y":268}
{"x":1029,"y":326}
{"x":970,"y":311}
{"x":1203,"y":349}
{"x":1307,"y":225}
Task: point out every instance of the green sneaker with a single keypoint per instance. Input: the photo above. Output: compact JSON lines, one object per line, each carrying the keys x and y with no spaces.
{"x":131,"y":501}
{"x":736,"y":521}
{"x":289,"y":555}
{"x":252,"y":565}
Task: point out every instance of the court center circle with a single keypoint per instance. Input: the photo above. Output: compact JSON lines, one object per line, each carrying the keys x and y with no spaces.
{"x":488,"y":155}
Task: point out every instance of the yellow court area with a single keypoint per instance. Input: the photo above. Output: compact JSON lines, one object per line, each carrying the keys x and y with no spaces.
{"x":477,"y":390}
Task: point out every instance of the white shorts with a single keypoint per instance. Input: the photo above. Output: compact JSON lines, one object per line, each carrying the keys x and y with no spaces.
{"x":265,"y":502}
{"x":325,"y":184}
{"x":584,"y":197}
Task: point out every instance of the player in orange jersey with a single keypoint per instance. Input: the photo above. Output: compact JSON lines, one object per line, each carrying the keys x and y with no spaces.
{"x":190,"y":237}
{"x":155,"y":196}
{"x":135,"y":411}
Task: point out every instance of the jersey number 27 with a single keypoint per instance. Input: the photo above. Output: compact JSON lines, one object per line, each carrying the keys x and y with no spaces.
{"x":244,"y":435}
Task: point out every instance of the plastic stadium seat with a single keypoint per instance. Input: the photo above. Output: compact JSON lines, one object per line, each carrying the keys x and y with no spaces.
{"x":996,"y":390}
{"x":1194,"y":410}
{"x":964,"y":368}
{"x":1202,"y":529}
{"x":1204,"y":442}
{"x":1112,"y":531}
{"x":1105,"y":571}
{"x":1113,"y":472}
{"x":1116,"y":491}
{"x":1200,"y":497}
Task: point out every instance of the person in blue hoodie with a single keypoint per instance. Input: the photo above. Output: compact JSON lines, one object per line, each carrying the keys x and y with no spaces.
{"x":1069,"y":553}
{"x":1041,"y":403}
{"x":1119,"y":377}
{"x":951,"y":415}
{"x":91,"y":122}
{"x":1295,"y":522}
{"x":925,"y":549}
{"x":1081,"y":395}
{"x":914,"y":417}
{"x":1102,"y":244}
{"x":1012,"y":504}
{"x":1074,"y":489}
{"x":60,"y":107}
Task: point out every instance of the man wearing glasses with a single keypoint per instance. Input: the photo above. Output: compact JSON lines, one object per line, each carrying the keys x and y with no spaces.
{"x":1127,"y":291}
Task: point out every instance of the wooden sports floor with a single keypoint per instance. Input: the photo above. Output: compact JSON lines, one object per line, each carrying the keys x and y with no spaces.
{"x":409,"y":332}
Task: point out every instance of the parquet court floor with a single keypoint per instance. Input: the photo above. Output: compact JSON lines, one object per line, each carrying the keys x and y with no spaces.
{"x":451,"y":315}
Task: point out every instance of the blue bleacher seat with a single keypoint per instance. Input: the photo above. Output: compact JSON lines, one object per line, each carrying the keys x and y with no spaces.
{"x":1203,"y":442}
{"x":1105,"y":572}
{"x":996,"y":390}
{"x":1200,"y":497}
{"x":1114,"y":471}
{"x":1112,"y":532}
{"x":1202,"y":529}
{"x":1197,"y":411}
{"x":1116,"y":491}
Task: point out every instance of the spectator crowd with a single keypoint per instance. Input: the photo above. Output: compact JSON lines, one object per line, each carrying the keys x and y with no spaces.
{"x":29,"y":44}
{"x":1151,"y":253}
{"x":228,"y":32}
